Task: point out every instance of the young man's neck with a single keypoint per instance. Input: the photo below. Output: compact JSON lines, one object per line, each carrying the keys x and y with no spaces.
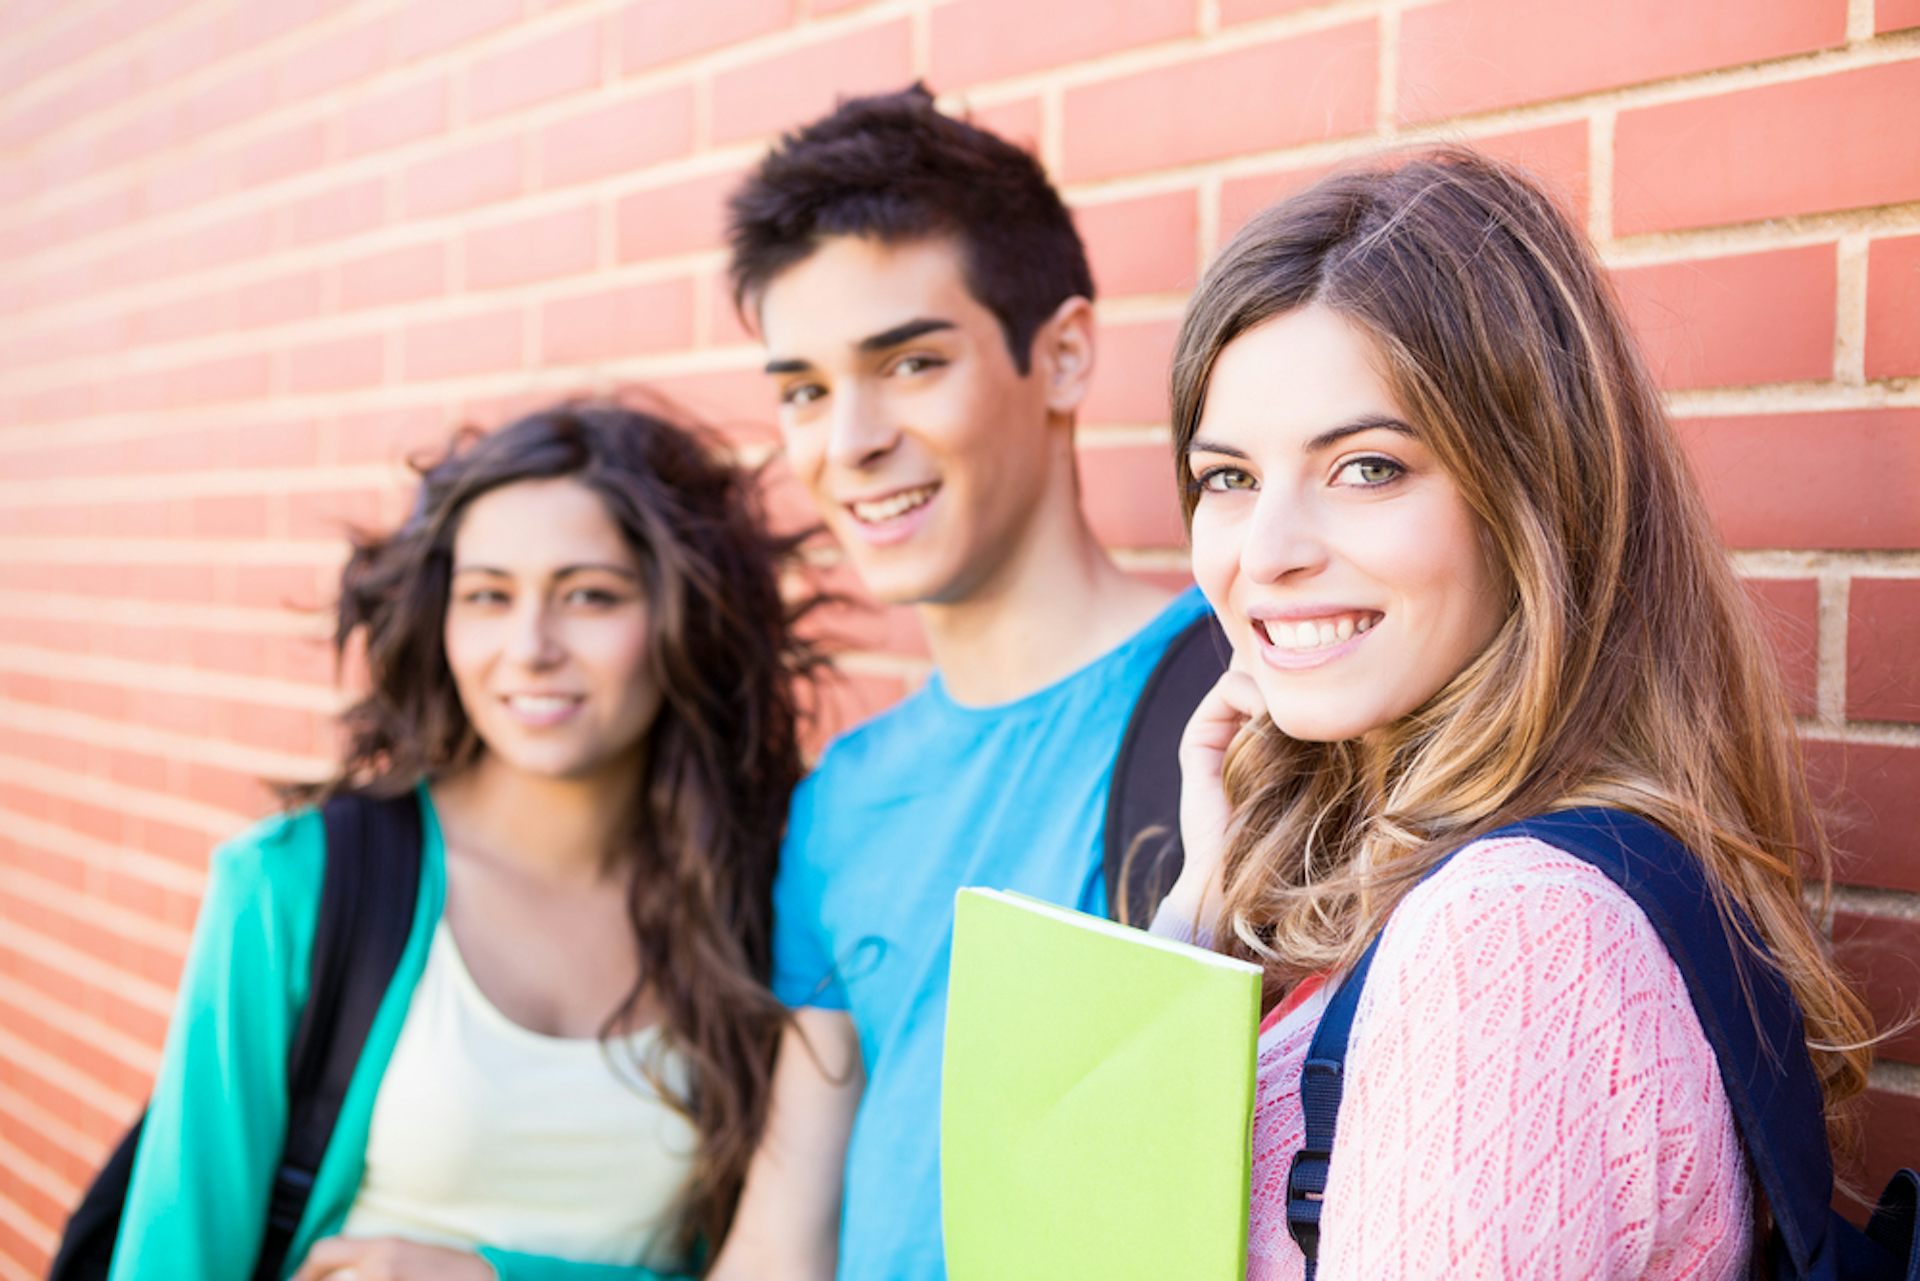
{"x":1058,"y":603}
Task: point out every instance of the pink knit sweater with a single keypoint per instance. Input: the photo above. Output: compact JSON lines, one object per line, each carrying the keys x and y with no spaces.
{"x":1528,"y":1094}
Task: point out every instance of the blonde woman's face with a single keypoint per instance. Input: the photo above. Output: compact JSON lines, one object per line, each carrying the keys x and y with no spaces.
{"x":1347,"y":568}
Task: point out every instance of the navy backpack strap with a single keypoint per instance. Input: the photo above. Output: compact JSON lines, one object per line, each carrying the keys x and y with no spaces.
{"x":1745,"y":1009}
{"x":1144,"y":794}
{"x":367,"y":904}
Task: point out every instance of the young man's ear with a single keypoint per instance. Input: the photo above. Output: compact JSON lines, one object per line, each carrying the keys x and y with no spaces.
{"x":1063,"y":354}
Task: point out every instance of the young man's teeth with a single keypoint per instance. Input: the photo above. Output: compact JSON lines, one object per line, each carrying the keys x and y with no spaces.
{"x":897,"y":505}
{"x":1316,"y":633}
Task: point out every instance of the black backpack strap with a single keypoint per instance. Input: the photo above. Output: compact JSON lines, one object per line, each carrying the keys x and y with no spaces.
{"x":1143,"y":798}
{"x":367,"y":904}
{"x":1745,"y":1009}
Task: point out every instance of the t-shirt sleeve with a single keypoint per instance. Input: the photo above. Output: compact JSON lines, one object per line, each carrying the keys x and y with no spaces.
{"x":1529,"y":1092}
{"x":804,"y":973}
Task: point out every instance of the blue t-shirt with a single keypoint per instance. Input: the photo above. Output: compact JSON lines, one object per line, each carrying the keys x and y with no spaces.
{"x":903,"y":811}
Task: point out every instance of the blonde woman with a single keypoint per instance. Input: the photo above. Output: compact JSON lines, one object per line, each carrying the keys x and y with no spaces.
{"x":1440,"y":511}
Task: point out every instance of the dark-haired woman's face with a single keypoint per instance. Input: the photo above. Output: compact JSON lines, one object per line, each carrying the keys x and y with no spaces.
{"x":546,"y":631}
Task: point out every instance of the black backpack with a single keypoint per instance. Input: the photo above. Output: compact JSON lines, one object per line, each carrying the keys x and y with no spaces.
{"x":1141,"y":849}
{"x":367,"y":903}
{"x":1760,"y":1049}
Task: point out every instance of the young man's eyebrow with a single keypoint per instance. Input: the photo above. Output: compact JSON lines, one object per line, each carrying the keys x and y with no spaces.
{"x":787,"y":366}
{"x":907,"y":332}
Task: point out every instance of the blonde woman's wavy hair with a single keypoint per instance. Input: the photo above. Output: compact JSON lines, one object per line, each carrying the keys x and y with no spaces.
{"x":1629,"y":671}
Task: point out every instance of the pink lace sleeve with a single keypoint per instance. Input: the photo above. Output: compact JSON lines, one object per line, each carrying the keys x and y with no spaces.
{"x":1529,"y":1093}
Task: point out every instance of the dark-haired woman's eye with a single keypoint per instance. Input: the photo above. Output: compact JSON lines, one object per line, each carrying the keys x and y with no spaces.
{"x":483,"y":596}
{"x":594,"y":597}
{"x":1370,"y":472}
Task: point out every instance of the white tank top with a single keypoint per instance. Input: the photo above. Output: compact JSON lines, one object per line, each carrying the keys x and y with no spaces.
{"x":486,"y":1133}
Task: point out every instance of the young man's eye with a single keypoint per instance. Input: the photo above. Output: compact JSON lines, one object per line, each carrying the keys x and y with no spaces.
{"x":1221,"y":480}
{"x":917,"y":364}
{"x":1368,"y":473}
{"x":798,"y":394}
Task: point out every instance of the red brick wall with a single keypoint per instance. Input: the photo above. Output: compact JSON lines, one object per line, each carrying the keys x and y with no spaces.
{"x":252,"y":252}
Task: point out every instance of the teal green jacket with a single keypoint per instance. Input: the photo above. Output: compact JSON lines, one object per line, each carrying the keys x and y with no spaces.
{"x":197,"y":1202}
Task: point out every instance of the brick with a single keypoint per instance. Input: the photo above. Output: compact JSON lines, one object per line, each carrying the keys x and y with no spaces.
{"x":1130,"y":373}
{"x":236,"y":98}
{"x":1770,"y":152}
{"x":976,"y":40}
{"x":1018,"y":120}
{"x":678,"y":218}
{"x":725,"y":325}
{"x":1881,"y":955}
{"x":1788,"y":609}
{"x":278,"y":300}
{"x":216,"y":382}
{"x":488,"y":343}
{"x":1242,"y":198}
{"x":1555,"y":156}
{"x":619,"y":139}
{"x":1895,"y":15}
{"x":1883,"y":649}
{"x":654,"y":32}
{"x":422,"y":29}
{"x":738,"y":402}
{"x":228,"y":516}
{"x":332,"y":61}
{"x":394,"y":276}
{"x":1889,"y":1136}
{"x":1869,"y":794}
{"x":1893,"y":307}
{"x":1303,"y":89}
{"x":1466,"y":56}
{"x":340,"y":211}
{"x":407,"y":114}
{"x":1235,"y":11}
{"x":1797,"y":481}
{"x":1728,"y":322}
{"x":543,"y":247}
{"x":284,"y":153}
{"x":1129,"y":495}
{"x":653,"y":316}
{"x":568,"y":61}
{"x":484,"y":173}
{"x":774,"y":93}
{"x":338,"y":364}
{"x":1146,"y":245}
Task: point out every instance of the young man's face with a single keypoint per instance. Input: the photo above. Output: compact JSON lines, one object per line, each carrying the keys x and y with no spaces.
{"x":925,"y":448}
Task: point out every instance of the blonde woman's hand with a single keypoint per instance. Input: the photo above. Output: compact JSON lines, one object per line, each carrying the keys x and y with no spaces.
{"x":390,"y":1259}
{"x":1229,"y":705}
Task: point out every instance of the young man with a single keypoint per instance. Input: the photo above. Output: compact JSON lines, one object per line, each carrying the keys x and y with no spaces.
{"x":926,"y":309}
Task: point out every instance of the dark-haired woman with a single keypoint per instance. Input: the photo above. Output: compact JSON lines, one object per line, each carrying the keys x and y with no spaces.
{"x":582,"y":663}
{"x":1438,"y":506}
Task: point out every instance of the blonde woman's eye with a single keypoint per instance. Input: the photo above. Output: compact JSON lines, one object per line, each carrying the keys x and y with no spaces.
{"x":1221,"y":480}
{"x":1368,"y":473}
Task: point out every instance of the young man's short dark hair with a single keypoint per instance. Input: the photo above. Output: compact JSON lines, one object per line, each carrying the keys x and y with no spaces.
{"x":893,"y":168}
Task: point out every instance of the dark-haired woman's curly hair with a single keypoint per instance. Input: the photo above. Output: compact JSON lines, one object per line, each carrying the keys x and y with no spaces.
{"x":721,"y":756}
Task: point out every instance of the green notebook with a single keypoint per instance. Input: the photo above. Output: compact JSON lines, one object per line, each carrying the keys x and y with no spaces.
{"x":1096,"y":1101}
